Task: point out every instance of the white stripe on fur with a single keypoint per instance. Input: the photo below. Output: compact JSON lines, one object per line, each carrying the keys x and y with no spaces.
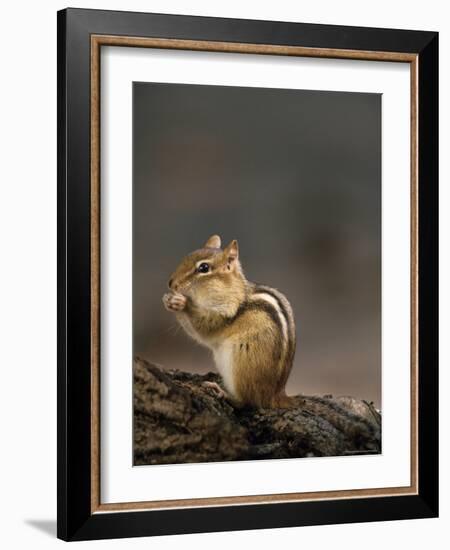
{"x":273,"y":302}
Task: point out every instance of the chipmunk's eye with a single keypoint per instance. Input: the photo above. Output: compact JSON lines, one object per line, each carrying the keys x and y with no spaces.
{"x":203,"y":268}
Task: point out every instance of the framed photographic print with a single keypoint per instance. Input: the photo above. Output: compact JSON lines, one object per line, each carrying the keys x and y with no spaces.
{"x":247,"y":257}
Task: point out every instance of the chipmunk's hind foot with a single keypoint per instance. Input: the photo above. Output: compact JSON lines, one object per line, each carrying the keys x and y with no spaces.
{"x":219,"y":392}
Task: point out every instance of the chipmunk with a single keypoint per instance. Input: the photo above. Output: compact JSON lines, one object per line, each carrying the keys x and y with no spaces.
{"x":249,"y":327}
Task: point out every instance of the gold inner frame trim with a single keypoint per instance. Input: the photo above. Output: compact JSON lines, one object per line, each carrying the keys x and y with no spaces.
{"x":97,"y":41}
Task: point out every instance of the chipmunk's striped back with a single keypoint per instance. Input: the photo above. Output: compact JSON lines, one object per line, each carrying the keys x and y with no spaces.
{"x":256,"y":348}
{"x":265,"y":347}
{"x":286,"y":316}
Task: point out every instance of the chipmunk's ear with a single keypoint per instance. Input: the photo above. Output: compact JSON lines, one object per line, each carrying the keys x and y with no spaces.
{"x":213,"y":242}
{"x":232,"y":251}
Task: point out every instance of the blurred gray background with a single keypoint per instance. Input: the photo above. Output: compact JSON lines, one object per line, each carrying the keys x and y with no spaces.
{"x":295,"y":176}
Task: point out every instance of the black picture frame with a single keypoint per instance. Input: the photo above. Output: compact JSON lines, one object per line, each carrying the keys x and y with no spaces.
{"x":75,"y":518}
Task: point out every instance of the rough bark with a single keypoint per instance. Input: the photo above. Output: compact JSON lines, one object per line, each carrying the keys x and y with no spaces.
{"x":178,"y":419}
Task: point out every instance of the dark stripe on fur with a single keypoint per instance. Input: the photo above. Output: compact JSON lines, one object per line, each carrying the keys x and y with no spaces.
{"x":262,"y":289}
{"x":262,"y":306}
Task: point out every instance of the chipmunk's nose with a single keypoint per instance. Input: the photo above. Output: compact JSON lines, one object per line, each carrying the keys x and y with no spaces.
{"x":169,"y":284}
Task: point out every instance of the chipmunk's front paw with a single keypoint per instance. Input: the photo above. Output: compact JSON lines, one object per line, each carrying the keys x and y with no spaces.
{"x":174,"y":302}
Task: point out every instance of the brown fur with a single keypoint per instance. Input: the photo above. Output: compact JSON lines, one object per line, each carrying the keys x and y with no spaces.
{"x":251,"y":326}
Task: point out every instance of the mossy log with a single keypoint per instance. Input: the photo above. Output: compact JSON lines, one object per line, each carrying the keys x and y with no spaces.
{"x":179,"y":419}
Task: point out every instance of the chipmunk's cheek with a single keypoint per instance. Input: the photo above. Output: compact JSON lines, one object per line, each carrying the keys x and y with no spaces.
{"x":206,"y":302}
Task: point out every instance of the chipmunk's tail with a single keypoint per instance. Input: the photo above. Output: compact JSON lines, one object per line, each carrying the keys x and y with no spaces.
{"x":283,"y":401}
